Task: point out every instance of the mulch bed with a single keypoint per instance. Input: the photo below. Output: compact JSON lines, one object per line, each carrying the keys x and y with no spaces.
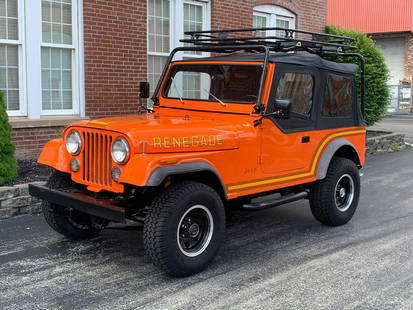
{"x":30,"y":171}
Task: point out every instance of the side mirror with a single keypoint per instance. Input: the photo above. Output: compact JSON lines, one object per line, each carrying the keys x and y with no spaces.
{"x":282,"y":108}
{"x":144,"y":90}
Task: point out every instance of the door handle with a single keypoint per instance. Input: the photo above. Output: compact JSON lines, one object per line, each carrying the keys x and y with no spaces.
{"x":305,"y":139}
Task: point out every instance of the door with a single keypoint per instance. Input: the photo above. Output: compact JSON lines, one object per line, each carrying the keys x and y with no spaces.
{"x":288,"y":145}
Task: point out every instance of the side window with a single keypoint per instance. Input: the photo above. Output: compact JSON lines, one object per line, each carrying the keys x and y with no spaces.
{"x":299,"y":89}
{"x":338,"y":96}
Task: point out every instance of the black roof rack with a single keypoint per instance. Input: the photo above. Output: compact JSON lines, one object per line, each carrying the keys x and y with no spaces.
{"x":286,"y":42}
{"x":253,"y":40}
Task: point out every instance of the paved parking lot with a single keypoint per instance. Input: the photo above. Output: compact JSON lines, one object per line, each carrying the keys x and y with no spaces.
{"x":275,"y":259}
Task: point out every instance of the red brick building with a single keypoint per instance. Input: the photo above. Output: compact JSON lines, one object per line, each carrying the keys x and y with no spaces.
{"x":65,"y":60}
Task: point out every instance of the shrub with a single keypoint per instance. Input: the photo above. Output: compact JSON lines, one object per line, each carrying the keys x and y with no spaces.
{"x":8,"y":168}
{"x":377,"y":91}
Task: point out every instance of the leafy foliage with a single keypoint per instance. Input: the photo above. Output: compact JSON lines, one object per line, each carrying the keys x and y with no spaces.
{"x":377,"y":74}
{"x":8,"y":168}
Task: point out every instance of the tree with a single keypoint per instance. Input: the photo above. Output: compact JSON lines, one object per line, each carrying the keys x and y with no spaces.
{"x":377,"y":74}
{"x":8,"y":167}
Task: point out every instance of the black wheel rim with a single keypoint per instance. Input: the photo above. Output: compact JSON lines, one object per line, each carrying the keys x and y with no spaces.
{"x":344,"y":192}
{"x":195,"y":230}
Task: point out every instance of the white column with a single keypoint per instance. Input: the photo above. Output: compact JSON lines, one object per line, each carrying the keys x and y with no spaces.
{"x":177,"y":25}
{"x":33,"y":38}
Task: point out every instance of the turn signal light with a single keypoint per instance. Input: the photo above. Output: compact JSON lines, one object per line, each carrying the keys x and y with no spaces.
{"x":74,"y":164}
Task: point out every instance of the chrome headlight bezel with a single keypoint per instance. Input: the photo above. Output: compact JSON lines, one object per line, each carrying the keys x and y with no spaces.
{"x":120,"y":146}
{"x":73,"y":142}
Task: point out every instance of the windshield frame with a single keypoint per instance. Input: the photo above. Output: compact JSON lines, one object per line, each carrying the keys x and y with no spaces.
{"x":166,"y":84}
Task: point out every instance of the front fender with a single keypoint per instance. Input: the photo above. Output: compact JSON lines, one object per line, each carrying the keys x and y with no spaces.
{"x":54,"y":155}
{"x":146,"y":170}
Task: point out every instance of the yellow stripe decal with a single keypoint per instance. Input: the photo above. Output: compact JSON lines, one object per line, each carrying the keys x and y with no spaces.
{"x":300,"y":175}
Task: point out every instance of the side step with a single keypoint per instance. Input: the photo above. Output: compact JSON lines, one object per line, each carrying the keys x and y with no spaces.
{"x":274,"y":202}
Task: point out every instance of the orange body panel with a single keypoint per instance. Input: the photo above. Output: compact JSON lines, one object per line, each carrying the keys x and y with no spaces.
{"x":248,"y":159}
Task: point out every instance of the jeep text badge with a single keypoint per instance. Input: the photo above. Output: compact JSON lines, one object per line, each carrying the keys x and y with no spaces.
{"x":187,"y":141}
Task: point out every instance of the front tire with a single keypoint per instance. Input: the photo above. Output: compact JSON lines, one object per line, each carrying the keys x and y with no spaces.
{"x":334,"y":199}
{"x":68,"y":222}
{"x":184,"y":228}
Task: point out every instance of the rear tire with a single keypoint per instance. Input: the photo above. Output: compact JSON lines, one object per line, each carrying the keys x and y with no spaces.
{"x":184,"y":228}
{"x":334,"y":199}
{"x":68,"y":222}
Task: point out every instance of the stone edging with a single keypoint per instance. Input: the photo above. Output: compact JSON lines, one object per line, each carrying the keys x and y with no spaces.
{"x":15,"y":200}
{"x":385,"y":142}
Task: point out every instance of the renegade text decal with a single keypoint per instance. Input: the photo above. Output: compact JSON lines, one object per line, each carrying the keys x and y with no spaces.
{"x":187,"y":141}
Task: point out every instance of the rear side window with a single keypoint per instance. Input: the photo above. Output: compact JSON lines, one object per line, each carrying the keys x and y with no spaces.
{"x":338,"y":96}
{"x":298,"y":88}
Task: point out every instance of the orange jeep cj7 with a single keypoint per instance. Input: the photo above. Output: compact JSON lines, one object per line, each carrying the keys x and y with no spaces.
{"x":258,"y":115}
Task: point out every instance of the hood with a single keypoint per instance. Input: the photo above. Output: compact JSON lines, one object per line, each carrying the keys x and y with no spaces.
{"x":153,"y":133}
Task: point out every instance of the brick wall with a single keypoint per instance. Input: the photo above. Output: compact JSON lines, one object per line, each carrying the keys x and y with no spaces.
{"x":115,"y":54}
{"x":29,"y":141}
{"x":408,"y":65}
{"x":311,"y":14}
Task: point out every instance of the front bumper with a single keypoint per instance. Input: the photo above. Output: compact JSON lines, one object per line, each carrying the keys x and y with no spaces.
{"x":103,"y":208}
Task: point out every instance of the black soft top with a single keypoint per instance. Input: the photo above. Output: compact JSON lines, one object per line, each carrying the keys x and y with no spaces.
{"x":302,"y":59}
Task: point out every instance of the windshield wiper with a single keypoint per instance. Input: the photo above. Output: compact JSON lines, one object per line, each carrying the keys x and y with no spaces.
{"x":215,"y":97}
{"x":177,"y":91}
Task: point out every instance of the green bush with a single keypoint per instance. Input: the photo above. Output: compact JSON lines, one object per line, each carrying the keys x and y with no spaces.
{"x":377,"y":91}
{"x":8,"y":168}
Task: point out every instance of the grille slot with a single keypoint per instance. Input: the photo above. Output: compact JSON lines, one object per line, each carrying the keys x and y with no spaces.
{"x":96,"y":158}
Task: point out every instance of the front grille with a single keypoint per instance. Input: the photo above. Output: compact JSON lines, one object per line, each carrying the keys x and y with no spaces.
{"x":97,"y":159}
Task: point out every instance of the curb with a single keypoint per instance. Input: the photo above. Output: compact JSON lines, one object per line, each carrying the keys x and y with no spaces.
{"x":385,"y":143}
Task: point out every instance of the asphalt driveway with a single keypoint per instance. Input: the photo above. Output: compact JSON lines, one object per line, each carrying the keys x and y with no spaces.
{"x":279,"y":258}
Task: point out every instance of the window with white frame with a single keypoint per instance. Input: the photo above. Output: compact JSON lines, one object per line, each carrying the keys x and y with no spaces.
{"x":167,"y":22}
{"x":9,"y":55}
{"x":56,"y":57}
{"x":273,"y":16}
{"x":260,"y":20}
{"x":159,"y":38}
{"x":40,"y":57}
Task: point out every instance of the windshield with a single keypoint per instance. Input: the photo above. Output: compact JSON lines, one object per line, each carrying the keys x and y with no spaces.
{"x":214,"y":82}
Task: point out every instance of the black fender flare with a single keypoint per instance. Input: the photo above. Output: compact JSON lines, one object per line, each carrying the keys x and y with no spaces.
{"x":159,"y":174}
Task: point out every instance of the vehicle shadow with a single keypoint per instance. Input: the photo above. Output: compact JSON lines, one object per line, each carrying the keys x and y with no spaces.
{"x":250,"y":235}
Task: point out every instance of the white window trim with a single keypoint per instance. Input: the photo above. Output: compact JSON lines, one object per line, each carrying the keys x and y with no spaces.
{"x":275,"y":12}
{"x":206,"y":24}
{"x":176,"y":29}
{"x":75,"y":64}
{"x":267,"y":17}
{"x":30,"y":35}
{"x":21,"y":51}
{"x":171,"y":32}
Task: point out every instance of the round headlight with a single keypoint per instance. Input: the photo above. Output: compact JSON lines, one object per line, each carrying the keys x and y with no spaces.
{"x":120,"y":151}
{"x":73,"y":142}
